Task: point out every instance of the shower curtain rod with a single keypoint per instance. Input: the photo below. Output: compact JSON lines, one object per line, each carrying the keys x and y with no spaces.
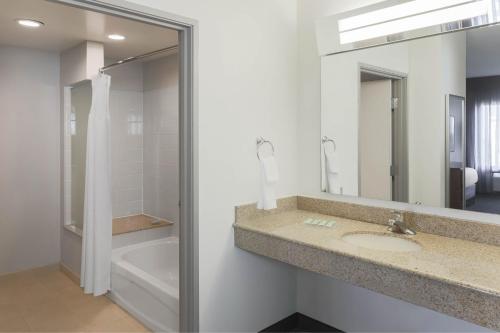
{"x":142,"y":56}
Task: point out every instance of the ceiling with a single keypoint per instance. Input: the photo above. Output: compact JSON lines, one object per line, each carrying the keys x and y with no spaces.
{"x":483,"y":51}
{"x":67,"y":26}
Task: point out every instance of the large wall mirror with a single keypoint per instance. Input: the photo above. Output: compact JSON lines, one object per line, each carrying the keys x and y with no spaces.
{"x":416,"y":121}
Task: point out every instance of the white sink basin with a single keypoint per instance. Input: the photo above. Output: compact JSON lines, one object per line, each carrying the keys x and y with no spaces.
{"x":381,"y":242}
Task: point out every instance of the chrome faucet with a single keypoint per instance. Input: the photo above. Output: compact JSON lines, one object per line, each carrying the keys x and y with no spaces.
{"x":398,"y":225}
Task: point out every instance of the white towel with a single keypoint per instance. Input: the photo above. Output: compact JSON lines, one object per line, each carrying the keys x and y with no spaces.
{"x":269,"y":176}
{"x":270,"y":169}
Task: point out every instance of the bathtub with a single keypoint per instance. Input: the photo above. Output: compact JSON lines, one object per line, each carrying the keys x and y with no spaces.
{"x":145,"y":282}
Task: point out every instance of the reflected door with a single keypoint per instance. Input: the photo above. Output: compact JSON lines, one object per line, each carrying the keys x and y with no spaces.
{"x":375,"y":140}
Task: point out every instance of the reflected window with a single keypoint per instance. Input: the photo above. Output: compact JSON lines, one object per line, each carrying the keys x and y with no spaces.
{"x":494,"y":138}
{"x":134,"y":124}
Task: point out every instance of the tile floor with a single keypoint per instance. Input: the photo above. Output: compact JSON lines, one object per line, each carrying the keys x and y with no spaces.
{"x":46,"y":300}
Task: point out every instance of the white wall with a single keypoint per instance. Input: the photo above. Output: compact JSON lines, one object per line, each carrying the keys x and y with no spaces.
{"x":454,"y":73}
{"x":247,"y":87}
{"x":435,"y":74}
{"x":29,"y":155}
{"x":161,"y":139}
{"x":426,"y":95}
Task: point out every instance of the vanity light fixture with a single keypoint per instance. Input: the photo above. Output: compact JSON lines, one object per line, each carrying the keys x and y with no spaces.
{"x":30,"y":23}
{"x":412,"y":15}
{"x":116,"y":37}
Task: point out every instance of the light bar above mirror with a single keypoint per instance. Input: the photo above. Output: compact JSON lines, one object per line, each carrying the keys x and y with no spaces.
{"x":395,"y":12}
{"x":408,"y":23}
{"x":397,"y":20}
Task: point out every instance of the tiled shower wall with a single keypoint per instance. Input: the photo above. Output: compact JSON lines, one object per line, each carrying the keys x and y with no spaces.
{"x":126,"y":109}
{"x":144,"y":106}
{"x":161,"y":138}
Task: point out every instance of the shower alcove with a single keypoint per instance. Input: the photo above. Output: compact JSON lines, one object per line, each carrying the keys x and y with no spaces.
{"x":143,"y":106}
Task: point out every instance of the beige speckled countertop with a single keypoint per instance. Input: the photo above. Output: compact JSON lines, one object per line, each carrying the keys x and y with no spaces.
{"x":457,"y":277}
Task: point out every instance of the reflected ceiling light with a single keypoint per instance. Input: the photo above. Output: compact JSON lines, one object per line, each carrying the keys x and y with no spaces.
{"x":30,"y":23}
{"x":116,"y":37}
{"x":396,"y":12}
{"x":363,"y":31}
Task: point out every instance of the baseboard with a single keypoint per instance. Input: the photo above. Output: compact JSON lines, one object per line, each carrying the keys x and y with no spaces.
{"x":69,"y":273}
{"x":298,"y":322}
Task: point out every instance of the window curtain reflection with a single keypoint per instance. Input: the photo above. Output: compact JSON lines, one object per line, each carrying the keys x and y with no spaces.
{"x":483,"y":129}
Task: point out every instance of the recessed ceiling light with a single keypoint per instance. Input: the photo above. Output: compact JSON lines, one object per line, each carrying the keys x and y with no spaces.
{"x":116,"y":37}
{"x":30,"y":23}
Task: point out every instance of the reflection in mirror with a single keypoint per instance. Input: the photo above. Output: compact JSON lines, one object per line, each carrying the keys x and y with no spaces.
{"x":416,"y":121}
{"x":457,"y":190}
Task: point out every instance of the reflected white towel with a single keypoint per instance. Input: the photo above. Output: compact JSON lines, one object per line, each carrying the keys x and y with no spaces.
{"x":332,"y":172}
{"x":333,"y":183}
{"x":269,"y":176}
{"x":331,"y":162}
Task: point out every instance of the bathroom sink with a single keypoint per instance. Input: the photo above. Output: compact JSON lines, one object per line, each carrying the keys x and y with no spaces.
{"x":381,"y":242}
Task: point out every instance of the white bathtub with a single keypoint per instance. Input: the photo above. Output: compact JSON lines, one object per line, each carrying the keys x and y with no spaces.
{"x":145,"y":281}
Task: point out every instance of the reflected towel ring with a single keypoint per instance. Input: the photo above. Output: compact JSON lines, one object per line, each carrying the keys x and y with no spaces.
{"x":326,"y":139}
{"x":260,"y":142}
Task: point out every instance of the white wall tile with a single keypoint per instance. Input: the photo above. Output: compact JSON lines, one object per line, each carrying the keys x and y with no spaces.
{"x":161,"y":143}
{"x":126,"y":108}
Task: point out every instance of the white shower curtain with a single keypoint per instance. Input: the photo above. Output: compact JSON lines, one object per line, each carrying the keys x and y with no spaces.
{"x":97,"y":219}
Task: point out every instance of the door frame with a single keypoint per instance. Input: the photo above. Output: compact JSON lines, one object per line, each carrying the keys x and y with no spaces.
{"x":400,"y":182}
{"x":188,"y":139}
{"x":447,"y":148}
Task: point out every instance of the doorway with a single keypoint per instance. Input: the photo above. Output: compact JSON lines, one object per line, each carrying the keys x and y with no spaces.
{"x":383,"y":159}
{"x":188,"y":189}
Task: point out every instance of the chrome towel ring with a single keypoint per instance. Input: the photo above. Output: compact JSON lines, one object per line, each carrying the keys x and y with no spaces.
{"x":260,"y":142}
{"x":326,"y":139}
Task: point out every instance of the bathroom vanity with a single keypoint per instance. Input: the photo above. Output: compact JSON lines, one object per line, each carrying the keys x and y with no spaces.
{"x":438,"y":268}
{"x":410,"y":119}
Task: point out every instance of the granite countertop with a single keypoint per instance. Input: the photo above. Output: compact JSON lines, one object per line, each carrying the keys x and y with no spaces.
{"x":443,"y":258}
{"x":463,"y":277}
